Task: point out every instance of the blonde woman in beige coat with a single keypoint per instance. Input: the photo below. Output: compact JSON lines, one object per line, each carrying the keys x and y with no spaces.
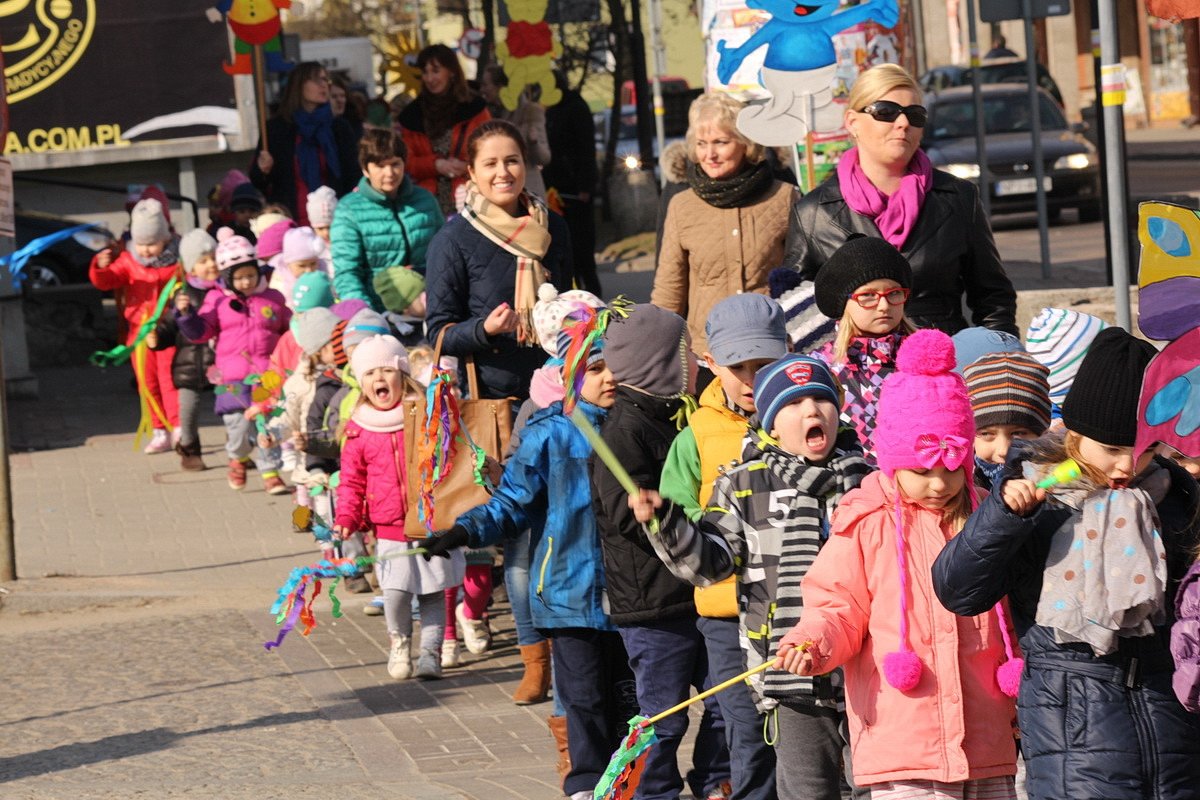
{"x":727,"y":231}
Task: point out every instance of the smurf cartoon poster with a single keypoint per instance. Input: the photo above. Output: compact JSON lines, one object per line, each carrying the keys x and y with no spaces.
{"x":800,"y":64}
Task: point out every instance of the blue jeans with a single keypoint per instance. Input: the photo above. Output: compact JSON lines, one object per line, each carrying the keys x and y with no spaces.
{"x":516,"y":583}
{"x":751,"y":758}
{"x":591,"y":676}
{"x":668,"y":659}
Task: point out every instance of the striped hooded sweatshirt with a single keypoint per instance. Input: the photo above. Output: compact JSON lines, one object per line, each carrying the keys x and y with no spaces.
{"x":765,"y":523}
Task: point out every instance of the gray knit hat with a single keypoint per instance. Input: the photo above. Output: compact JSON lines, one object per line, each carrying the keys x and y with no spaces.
{"x":147,"y":223}
{"x":648,"y":350}
{"x":314,"y":328}
{"x":363,"y":325}
{"x":194,"y":245}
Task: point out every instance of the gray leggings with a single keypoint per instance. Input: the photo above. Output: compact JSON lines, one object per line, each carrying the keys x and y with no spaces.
{"x":241,"y":437}
{"x":809,"y":753}
{"x":397,"y":612}
{"x":189,"y":413}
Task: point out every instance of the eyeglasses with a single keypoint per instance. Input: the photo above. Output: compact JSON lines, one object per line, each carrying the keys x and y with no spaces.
{"x":887,"y":111}
{"x":894,"y":297}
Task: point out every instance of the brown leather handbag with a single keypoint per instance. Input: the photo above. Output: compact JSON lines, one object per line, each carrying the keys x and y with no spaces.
{"x":485,"y":423}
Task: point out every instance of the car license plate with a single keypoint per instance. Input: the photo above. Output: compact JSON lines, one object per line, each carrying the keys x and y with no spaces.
{"x":1021,"y":186}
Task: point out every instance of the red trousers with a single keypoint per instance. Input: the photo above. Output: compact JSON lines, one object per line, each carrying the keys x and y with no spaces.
{"x":157,"y":383}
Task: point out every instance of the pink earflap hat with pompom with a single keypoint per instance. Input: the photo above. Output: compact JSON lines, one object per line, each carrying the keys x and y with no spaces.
{"x":925,"y":420}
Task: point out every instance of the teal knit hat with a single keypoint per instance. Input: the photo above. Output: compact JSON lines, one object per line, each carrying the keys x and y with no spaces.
{"x":312,"y":290}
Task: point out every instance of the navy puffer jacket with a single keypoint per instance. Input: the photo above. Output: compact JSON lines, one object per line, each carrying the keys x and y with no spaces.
{"x":466,"y":277}
{"x":1092,"y":728}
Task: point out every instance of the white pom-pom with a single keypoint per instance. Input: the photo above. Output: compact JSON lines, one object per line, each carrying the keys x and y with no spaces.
{"x":547,"y":292}
{"x":225,"y":233}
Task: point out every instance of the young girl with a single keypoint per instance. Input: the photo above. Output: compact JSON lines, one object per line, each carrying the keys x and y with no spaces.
{"x":143,"y":269}
{"x":546,"y":489}
{"x":372,"y":495}
{"x":247,"y":320}
{"x":927,"y":716}
{"x":301,"y":255}
{"x":313,"y":331}
{"x":1091,"y":570}
{"x":189,"y":367}
{"x":865,"y":286}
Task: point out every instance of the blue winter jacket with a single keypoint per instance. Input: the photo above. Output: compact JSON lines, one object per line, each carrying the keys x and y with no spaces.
{"x":372,"y":232}
{"x":546,"y":489}
{"x":1092,"y":728}
{"x":467,"y":276}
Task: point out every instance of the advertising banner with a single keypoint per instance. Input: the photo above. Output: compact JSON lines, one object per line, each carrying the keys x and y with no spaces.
{"x":86,"y":75}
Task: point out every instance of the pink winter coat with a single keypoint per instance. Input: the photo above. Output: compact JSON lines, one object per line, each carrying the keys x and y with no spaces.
{"x":373,"y":491}
{"x":956,"y":725}
{"x":246,"y":329}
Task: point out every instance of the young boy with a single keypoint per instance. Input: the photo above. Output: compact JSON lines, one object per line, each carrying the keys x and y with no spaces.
{"x":745,"y":332}
{"x":1010,"y":397}
{"x":765,"y":523}
{"x":649,"y":352}
{"x":546,"y":489}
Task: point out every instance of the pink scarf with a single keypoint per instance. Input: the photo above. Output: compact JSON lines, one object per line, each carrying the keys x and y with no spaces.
{"x":896,"y":214}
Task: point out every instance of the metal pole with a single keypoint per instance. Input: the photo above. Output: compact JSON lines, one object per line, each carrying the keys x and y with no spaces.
{"x":1035,"y":107}
{"x":637,"y":47}
{"x":1099,"y":122}
{"x":1113,"y":99}
{"x":985,"y":186}
{"x":8,"y":548}
{"x":660,"y":69}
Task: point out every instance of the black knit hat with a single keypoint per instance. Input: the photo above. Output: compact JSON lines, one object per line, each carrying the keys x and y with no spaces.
{"x":1103,"y":400}
{"x":859,"y":261}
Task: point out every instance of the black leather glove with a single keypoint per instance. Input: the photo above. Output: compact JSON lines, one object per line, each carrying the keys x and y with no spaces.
{"x":442,"y":543}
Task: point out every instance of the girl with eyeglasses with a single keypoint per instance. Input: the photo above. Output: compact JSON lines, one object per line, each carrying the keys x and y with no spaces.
{"x":864,"y":286}
{"x":885,"y":187}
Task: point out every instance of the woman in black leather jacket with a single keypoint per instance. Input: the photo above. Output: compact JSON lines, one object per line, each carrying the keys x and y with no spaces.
{"x":885,"y":187}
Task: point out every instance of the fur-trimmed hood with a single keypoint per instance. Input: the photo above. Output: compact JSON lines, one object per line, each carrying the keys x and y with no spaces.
{"x":674,"y":162}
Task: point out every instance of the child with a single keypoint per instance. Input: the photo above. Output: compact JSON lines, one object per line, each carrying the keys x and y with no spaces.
{"x":269,"y":247}
{"x":189,"y":367}
{"x":371,"y":495}
{"x":927,"y":716}
{"x":143,"y":270}
{"x":313,"y":331}
{"x":1010,"y":397}
{"x":766,"y":521}
{"x":546,"y":489}
{"x":246,"y":319}
{"x":320,"y":206}
{"x":245,"y":204}
{"x":865,"y":286}
{"x":1185,"y":640}
{"x":1091,"y":570}
{"x":1059,"y":339}
{"x":649,"y":352}
{"x":744,"y":333}
{"x":300,"y":256}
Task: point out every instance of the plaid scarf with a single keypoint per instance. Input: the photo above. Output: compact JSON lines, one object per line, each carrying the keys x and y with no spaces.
{"x":868,"y":361}
{"x":527,"y":238}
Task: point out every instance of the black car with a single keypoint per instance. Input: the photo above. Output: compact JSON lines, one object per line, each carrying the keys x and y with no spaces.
{"x":64,"y":262}
{"x":996,"y":70}
{"x":1071,"y":164}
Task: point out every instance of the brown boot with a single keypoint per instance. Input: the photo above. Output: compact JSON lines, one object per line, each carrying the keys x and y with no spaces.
{"x":189,"y":457}
{"x":536,"y":680}
{"x":558,"y":727}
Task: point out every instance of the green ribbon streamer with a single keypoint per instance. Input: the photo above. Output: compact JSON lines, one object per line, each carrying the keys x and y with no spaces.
{"x":121,"y":353}
{"x":333,"y":598}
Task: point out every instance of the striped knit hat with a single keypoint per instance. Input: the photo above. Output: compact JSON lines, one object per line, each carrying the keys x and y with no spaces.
{"x":807,"y":328}
{"x":1059,"y":339}
{"x":340,"y":359}
{"x":1009,"y":389}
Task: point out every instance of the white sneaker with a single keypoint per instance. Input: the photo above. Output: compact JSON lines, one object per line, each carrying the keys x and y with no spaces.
{"x":451,"y":657}
{"x":475,"y":633}
{"x":375,"y":607}
{"x":291,"y":459}
{"x":400,"y":658}
{"x":586,"y":795}
{"x":160,"y":442}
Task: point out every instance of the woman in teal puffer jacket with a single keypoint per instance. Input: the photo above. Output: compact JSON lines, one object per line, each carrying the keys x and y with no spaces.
{"x":388,"y":222}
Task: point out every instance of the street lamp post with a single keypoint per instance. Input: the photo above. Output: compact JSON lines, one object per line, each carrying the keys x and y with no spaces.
{"x":1112,"y":99}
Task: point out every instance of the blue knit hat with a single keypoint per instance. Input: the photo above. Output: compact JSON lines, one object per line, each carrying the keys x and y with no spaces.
{"x":787,"y":380}
{"x":972,"y":344}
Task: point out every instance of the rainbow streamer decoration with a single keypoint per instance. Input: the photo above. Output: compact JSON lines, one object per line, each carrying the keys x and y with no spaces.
{"x":294,"y":602}
{"x":436,"y":446}
{"x":585,"y":328}
{"x":624,"y":772}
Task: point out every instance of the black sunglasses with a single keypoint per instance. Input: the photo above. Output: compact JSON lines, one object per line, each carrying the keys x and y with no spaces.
{"x":887,"y":111}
